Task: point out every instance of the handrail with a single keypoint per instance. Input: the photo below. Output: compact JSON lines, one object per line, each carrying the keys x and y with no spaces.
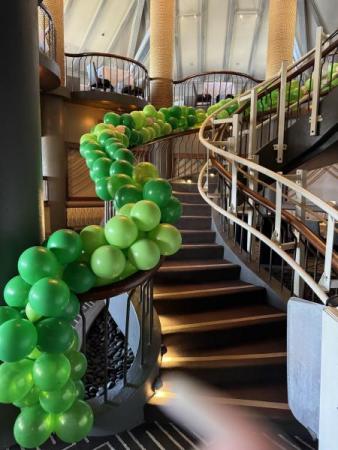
{"x":217,"y":72}
{"x":106,"y":55}
{"x":273,"y":245}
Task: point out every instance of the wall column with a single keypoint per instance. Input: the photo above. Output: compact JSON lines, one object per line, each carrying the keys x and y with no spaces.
{"x":21,"y":197}
{"x":282,"y":27}
{"x":162,"y":24}
{"x":55,"y":7}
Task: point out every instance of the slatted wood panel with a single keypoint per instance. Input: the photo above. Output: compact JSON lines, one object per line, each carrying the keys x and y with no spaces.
{"x":79,"y":183}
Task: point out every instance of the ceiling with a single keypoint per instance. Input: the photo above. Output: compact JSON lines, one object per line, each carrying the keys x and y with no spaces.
{"x":210,"y":34}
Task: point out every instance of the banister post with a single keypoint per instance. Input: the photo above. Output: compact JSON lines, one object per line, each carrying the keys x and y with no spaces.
{"x":316,"y":80}
{"x":253,"y":123}
{"x":298,"y":282}
{"x":280,"y":146}
{"x":325,"y":280}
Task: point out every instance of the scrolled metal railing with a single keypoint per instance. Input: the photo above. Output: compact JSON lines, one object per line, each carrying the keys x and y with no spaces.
{"x":47,"y":33}
{"x":106,"y":72}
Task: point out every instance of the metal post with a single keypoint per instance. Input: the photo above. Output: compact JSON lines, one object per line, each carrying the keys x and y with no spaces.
{"x":280,"y":146}
{"x":298,"y":282}
{"x":276,"y":236}
{"x":316,"y":80}
{"x":235,"y":133}
{"x":253,"y":185}
{"x":253,"y":123}
{"x":325,"y":281}
{"x":233,"y":205}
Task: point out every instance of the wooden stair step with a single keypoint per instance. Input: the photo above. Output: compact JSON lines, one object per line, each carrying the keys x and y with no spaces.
{"x":194,"y":222}
{"x":196,"y":209}
{"x":198,"y":251}
{"x":198,"y":236}
{"x":188,"y":197}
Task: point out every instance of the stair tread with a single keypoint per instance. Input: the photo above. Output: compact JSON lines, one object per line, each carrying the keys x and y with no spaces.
{"x":237,"y":316}
{"x":196,"y":264}
{"x":208,"y":289}
{"x":262,"y":351}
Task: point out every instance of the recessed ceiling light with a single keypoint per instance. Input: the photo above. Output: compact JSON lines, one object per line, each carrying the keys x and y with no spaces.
{"x":241,"y":16}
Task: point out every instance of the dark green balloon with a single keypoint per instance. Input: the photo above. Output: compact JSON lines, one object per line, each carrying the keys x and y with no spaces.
{"x":101,"y":188}
{"x":49,"y":296}
{"x":66,"y":245}
{"x":78,"y":364}
{"x":36,"y":263}
{"x":158,"y":191}
{"x":71,"y":311}
{"x":127,"y":194}
{"x":191,"y":120}
{"x":133,"y":138}
{"x":112,"y":118}
{"x":125,"y":155}
{"x":182,"y":123}
{"x":172,"y":211}
{"x":54,"y":335}
{"x":15,"y":380}
{"x":18,"y":337}
{"x":75,"y":424}
{"x":88,"y":146}
{"x":175,"y":111}
{"x":33,"y":427}
{"x":116,"y":181}
{"x":8,"y":313}
{"x":92,"y":156}
{"x":112,"y":145}
{"x":51,"y":371}
{"x":101,"y":167}
{"x":173,"y":122}
{"x":58,"y":401}
{"x":105,"y":135}
{"x":127,"y":132}
{"x":79,"y":277}
{"x":128,"y":121}
{"x":121,"y":167}
{"x":16,"y":292}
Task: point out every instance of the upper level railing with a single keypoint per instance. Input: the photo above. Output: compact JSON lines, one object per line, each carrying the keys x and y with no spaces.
{"x":106,"y":72}
{"x":205,"y":89}
{"x":47,"y":34}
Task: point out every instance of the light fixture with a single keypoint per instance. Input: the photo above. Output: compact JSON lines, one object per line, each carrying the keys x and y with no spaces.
{"x":189,"y":181}
{"x":241,"y":16}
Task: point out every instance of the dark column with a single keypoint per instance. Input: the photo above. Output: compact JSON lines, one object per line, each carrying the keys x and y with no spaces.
{"x":20,"y":168}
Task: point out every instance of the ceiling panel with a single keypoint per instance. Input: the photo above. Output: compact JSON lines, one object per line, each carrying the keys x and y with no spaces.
{"x":243,"y":35}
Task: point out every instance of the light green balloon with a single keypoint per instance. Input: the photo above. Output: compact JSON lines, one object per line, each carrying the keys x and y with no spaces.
{"x":74,"y":424}
{"x":144,"y":171}
{"x":16,"y":380}
{"x":78,"y":364}
{"x":56,"y":402}
{"x":125,"y":210}
{"x":31,"y":399}
{"x":167,"y":237}
{"x":80,"y":389}
{"x":144,"y":254}
{"x":146,"y":214}
{"x":120,"y":231}
{"x":108,"y":262}
{"x":33,"y":427}
{"x":51,"y":371}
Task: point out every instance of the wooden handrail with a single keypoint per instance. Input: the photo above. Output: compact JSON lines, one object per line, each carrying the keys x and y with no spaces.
{"x":313,"y":239}
{"x":217,"y":72}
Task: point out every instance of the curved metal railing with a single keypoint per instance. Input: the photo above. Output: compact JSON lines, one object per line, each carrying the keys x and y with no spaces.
{"x":205,"y":89}
{"x":47,"y":33}
{"x":106,"y":72}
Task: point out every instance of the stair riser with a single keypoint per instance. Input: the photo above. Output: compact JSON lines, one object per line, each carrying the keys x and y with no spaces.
{"x":192,"y":187}
{"x":207,"y":237}
{"x":199,"y":276}
{"x":194,"y":223}
{"x":186,"y":306}
{"x":188,"y":198}
{"x":212,"y":339}
{"x":198,"y":253}
{"x":196,"y":210}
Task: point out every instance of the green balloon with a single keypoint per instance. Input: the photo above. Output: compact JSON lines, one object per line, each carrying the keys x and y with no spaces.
{"x":16,"y":380}
{"x":172,"y":211}
{"x":116,"y":181}
{"x":80,"y":389}
{"x":124,"y":155}
{"x":108,"y":262}
{"x":149,"y":111}
{"x":78,"y":364}
{"x":33,"y":427}
{"x":144,"y":171}
{"x":87,"y":137}
{"x":71,"y":311}
{"x":191,"y":111}
{"x":88,"y":146}
{"x":129,"y":270}
{"x":133,"y":138}
{"x":167,"y":237}
{"x":191,"y":120}
{"x":18,"y":338}
{"x":121,"y":231}
{"x":158,"y":191}
{"x":92,"y":156}
{"x":122,"y":138}
{"x":54,"y":335}
{"x":35,"y":354}
{"x":31,"y":314}
{"x":31,"y":399}
{"x":139,"y":119}
{"x":92,"y":237}
{"x":16,"y":292}
{"x":173,"y":122}
{"x":8,"y":313}
{"x":112,"y":146}
{"x":75,"y":424}
{"x":125,"y":210}
{"x":36,"y":263}
{"x":105,"y":135}
{"x":128,"y":193}
{"x":66,"y":245}
{"x":146,"y":134}
{"x":165,"y":112}
{"x":101,"y":167}
{"x":167,"y":129}
{"x":49,"y":296}
{"x":144,"y":254}
{"x":121,"y":166}
{"x":146,"y":215}
{"x":158,"y":130}
{"x":104,"y":281}
{"x":51,"y":371}
{"x":101,"y":188}
{"x":84,"y":257}
{"x":112,"y":118}
{"x":56,"y":402}
{"x":79,"y":277}
{"x":75,"y":345}
{"x":127,"y":120}
{"x":175,"y":111}
{"x":100,"y":127}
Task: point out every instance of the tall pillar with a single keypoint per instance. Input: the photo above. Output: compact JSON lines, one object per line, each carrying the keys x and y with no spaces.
{"x":21,"y":197}
{"x":281,"y":37}
{"x":162,"y":24}
{"x":55,"y":7}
